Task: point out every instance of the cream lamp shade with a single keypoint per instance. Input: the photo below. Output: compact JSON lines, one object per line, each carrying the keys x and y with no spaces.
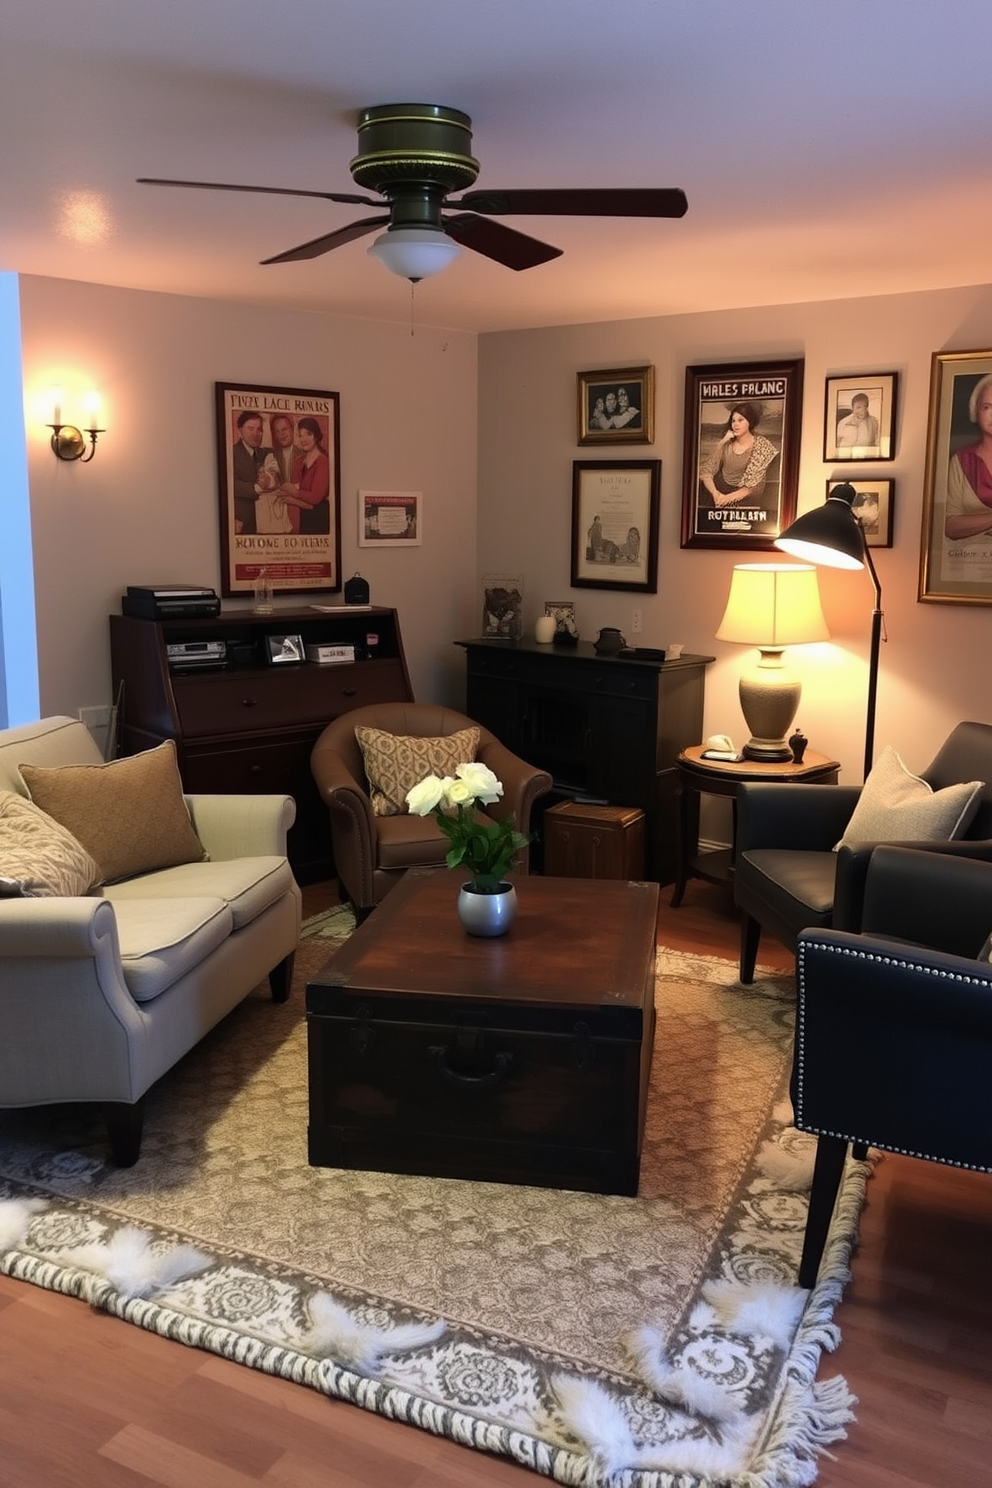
{"x":771,"y":606}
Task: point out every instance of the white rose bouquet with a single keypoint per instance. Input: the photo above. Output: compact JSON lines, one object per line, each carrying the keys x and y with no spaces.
{"x":485,"y":848}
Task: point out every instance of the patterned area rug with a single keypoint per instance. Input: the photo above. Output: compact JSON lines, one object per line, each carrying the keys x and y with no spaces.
{"x":656,"y":1342}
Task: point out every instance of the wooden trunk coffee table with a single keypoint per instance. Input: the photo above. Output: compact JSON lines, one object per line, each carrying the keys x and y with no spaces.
{"x":523,"y":1059}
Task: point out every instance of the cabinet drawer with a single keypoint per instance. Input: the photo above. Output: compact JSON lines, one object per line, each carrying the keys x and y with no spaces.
{"x":240,"y":702}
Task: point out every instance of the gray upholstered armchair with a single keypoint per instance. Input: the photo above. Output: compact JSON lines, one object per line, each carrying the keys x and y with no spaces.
{"x":371,"y":853}
{"x":786,"y":876}
{"x":894,"y":1035}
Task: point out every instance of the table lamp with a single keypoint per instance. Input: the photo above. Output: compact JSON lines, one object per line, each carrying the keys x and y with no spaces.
{"x":771,"y":606}
{"x":831,"y":535}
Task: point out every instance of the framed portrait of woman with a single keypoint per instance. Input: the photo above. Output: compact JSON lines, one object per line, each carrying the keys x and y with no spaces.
{"x":740,"y":460}
{"x":278,"y":454}
{"x":956,"y":539}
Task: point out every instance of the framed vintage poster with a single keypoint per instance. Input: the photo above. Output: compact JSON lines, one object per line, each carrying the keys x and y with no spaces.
{"x":859,"y":421}
{"x":956,"y":542}
{"x":616,"y":406}
{"x":280,"y":507}
{"x":740,"y":461}
{"x":615,"y":508}
{"x":873,"y":508}
{"x":390,"y":519}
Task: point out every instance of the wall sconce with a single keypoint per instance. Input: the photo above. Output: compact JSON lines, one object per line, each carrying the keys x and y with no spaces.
{"x":70,"y":442}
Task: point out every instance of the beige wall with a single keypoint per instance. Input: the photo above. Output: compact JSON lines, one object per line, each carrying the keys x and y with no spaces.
{"x":145,"y":510}
{"x":931,"y":669}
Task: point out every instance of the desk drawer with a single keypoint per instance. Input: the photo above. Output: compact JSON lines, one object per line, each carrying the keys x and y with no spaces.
{"x":254,"y":701}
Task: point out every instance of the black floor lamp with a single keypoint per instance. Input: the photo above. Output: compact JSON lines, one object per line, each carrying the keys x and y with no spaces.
{"x":832,"y":536}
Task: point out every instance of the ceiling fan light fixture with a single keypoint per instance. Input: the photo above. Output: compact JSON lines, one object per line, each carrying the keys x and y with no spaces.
{"x":414,"y":252}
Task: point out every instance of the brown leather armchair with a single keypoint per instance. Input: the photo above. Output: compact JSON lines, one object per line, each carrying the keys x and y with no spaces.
{"x":371,"y":853}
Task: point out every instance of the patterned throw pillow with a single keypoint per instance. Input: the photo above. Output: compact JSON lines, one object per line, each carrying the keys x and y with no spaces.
{"x":395,"y":763}
{"x":38,"y":858}
{"x":895,"y":806}
{"x":129,"y":814}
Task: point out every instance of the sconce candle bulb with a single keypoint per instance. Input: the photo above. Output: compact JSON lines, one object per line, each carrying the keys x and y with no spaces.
{"x":69,"y":442}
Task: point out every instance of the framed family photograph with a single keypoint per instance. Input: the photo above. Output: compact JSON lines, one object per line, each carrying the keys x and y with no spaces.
{"x":279,"y":488}
{"x":873,"y":508}
{"x":390,"y":519}
{"x":616,"y":406}
{"x":859,"y":421}
{"x":740,"y":461}
{"x":615,"y":509}
{"x":956,"y":541}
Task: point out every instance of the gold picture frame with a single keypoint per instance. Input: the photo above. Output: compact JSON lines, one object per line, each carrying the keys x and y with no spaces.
{"x":616,"y":406}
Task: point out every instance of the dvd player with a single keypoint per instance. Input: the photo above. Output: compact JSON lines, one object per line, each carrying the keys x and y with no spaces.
{"x":185,"y":655}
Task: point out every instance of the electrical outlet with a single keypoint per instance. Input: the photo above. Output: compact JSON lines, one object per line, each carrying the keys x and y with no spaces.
{"x":636,"y":624}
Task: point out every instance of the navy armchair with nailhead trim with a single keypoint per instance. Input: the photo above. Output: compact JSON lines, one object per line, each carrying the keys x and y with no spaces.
{"x":894,"y":1027}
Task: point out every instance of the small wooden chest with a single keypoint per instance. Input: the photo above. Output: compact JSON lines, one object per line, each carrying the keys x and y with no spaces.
{"x":523,"y":1059}
{"x":593,"y":841}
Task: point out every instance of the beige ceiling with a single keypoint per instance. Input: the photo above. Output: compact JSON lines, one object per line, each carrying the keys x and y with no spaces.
{"x":828,"y":148}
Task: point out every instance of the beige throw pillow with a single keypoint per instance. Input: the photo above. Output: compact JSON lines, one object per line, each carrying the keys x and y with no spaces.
{"x":895,"y":806}
{"x":38,"y":858}
{"x":395,"y":763}
{"x":129,"y":814}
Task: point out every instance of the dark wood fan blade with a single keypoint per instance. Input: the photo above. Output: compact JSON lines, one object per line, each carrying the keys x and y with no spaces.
{"x":504,"y":244}
{"x":327,"y":241}
{"x":622,"y":202}
{"x":334,"y":196}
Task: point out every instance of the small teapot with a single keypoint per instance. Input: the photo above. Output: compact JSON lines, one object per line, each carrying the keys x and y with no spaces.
{"x":609,"y":641}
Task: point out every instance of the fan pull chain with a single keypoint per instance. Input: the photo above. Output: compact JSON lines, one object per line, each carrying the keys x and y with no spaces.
{"x":413,"y":285}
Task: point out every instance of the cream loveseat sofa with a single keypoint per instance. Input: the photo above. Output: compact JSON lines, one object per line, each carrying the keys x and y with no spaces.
{"x":104,"y":990}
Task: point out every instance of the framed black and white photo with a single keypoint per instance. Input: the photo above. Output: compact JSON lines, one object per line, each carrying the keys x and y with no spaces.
{"x":284,"y":648}
{"x":872,"y":506}
{"x":859,"y":421}
{"x":956,"y":542}
{"x":502,"y":606}
{"x":615,"y":508}
{"x":616,"y":406}
{"x":740,"y":461}
{"x":278,"y":455}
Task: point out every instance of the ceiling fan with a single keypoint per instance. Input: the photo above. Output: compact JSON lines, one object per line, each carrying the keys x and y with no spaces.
{"x":414,"y":155}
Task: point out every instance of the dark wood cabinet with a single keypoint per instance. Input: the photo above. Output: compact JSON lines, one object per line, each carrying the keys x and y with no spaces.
{"x":245,"y":725}
{"x":608,"y":729}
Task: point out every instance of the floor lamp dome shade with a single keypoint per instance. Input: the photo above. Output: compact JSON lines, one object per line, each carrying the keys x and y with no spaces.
{"x":771,"y":606}
{"x":832,"y":536}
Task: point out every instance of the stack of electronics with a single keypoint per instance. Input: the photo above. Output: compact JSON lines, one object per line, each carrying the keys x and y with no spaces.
{"x":170,"y":602}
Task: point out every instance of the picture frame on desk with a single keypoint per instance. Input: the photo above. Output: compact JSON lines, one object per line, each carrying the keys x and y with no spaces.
{"x":283,"y":650}
{"x":278,"y":456}
{"x":740,"y":461}
{"x":615,"y":506}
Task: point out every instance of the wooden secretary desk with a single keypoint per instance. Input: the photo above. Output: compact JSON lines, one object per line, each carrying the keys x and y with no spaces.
{"x":243,"y":724}
{"x":607,"y":728}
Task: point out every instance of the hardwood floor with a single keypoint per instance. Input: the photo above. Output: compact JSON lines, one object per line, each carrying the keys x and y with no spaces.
{"x":87,"y":1401}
